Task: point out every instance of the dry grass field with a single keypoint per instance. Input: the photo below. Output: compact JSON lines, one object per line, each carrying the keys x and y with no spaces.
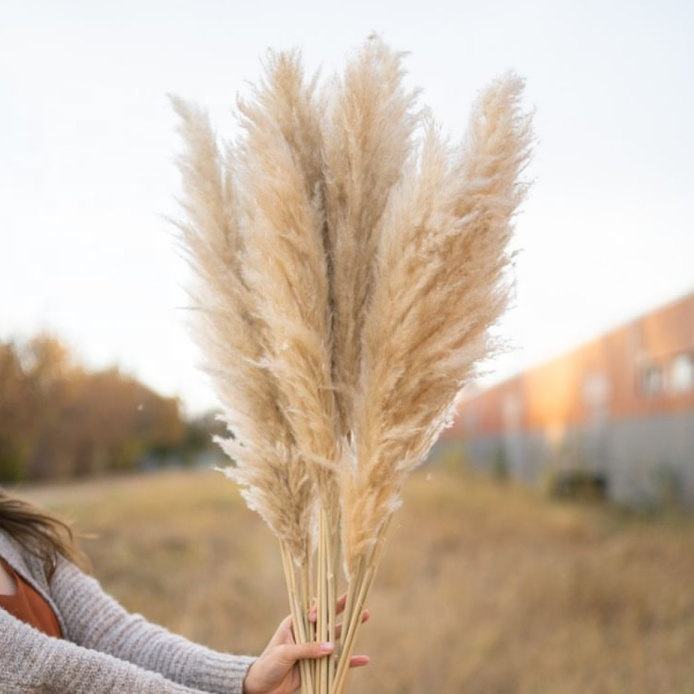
{"x":484,"y":587}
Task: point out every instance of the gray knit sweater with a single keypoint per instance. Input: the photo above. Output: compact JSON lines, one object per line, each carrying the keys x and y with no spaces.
{"x":105,"y":648}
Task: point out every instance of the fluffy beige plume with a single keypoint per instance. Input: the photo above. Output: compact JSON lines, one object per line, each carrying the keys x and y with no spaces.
{"x":347,"y":282}
{"x":285,"y":263}
{"x":273,"y":479}
{"x":367,"y":136}
{"x":438,"y":288}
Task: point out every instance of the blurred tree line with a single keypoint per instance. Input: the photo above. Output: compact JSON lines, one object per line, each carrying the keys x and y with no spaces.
{"x":60,"y":420}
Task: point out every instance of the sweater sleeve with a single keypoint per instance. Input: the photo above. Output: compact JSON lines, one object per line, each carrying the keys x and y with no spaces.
{"x":97,"y":621}
{"x":31,"y":661}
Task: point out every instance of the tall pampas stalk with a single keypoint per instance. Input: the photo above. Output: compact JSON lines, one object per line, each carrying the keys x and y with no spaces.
{"x":367,"y":134}
{"x":348,"y":275}
{"x":287,"y":271}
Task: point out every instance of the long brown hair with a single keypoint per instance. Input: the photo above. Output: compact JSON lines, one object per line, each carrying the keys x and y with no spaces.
{"x":39,"y":533}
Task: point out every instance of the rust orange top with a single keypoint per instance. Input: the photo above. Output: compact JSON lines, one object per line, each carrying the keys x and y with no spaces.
{"x":29,"y":605}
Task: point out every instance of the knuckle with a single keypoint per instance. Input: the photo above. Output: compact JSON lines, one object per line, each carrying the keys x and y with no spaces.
{"x":283,"y":652}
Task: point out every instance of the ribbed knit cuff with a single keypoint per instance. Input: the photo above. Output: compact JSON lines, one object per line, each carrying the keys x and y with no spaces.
{"x":223,"y":673}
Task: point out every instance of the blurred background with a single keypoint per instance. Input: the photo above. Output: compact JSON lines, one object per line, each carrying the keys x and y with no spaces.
{"x":548,"y":544}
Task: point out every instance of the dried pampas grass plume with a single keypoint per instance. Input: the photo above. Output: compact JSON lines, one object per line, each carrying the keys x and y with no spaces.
{"x":285,"y":263}
{"x":367,"y":134}
{"x":273,"y":479}
{"x":347,"y":276}
{"x":437,"y":289}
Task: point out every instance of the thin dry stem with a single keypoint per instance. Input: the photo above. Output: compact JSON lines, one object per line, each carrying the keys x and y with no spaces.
{"x":365,"y":579}
{"x":298,"y":616}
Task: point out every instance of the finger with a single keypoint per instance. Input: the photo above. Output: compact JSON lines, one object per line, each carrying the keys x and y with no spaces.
{"x":289,"y":653}
{"x":285,"y":626}
{"x":284,"y":633}
{"x":359,"y":660}
{"x":364,"y":618}
{"x":339,"y":609}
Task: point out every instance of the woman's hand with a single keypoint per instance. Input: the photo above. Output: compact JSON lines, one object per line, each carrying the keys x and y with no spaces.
{"x":276,"y":671}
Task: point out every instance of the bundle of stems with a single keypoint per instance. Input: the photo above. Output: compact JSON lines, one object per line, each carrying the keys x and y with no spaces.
{"x":350,"y":263}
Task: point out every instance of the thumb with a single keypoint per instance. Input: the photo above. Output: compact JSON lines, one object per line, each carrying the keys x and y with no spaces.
{"x":289,"y":653}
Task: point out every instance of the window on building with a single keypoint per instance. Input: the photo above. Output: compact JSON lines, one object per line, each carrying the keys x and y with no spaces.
{"x":652,"y":380}
{"x":595,"y":389}
{"x":681,"y":376}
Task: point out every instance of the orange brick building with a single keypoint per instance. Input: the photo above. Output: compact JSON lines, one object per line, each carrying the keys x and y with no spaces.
{"x":620,"y":406}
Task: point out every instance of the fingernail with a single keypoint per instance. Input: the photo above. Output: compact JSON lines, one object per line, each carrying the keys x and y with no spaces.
{"x":327,"y":646}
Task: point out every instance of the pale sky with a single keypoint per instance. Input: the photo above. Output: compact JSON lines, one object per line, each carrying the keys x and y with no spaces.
{"x":87,"y":140}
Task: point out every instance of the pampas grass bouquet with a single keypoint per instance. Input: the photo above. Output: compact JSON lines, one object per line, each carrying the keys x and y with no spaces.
{"x":349,"y":261}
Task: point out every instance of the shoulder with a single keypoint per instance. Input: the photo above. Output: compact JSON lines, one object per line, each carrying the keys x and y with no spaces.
{"x":26,"y":564}
{"x":20,"y":560}
{"x":8,"y":545}
{"x":33,"y":567}
{"x":70,"y":583}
